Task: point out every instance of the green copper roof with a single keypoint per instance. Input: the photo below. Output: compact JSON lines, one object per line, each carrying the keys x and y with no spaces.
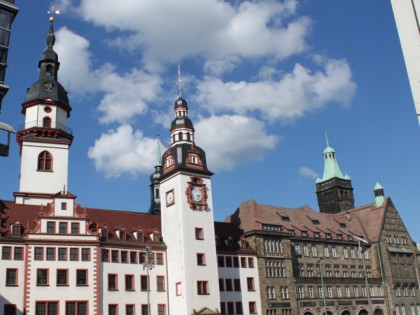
{"x":378,"y":186}
{"x":331,"y":168}
{"x":158,"y":155}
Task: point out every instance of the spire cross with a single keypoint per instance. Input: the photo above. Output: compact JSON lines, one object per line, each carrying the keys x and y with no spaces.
{"x":52,"y":12}
{"x":179,"y":81}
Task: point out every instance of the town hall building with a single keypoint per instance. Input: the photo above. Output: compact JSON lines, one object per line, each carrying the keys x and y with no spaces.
{"x":60,"y":257}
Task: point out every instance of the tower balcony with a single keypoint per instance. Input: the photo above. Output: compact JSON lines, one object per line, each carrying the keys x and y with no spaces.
{"x":51,"y":133}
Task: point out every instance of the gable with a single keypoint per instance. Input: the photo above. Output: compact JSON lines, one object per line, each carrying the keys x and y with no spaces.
{"x":205,"y":311}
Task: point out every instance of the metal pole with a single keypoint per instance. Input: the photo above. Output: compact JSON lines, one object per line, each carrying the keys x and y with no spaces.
{"x":323,"y":289}
{"x":148,"y":265}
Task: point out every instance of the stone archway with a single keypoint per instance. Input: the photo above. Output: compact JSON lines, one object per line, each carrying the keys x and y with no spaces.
{"x":328,"y":312}
{"x":378,"y":311}
{"x":308,"y":313}
{"x":363,"y":312}
{"x":346,"y":312}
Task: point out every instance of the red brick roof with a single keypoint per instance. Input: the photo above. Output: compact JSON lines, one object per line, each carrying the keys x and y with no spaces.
{"x":365,"y":221}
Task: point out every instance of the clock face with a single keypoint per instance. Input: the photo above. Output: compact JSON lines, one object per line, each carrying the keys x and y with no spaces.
{"x":170,"y":197}
{"x":196,"y":194}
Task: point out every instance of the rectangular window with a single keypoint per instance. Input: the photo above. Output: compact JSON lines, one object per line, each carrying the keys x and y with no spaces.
{"x":142,"y":257}
{"x":11,"y":277}
{"x":46,"y":308}
{"x":250,"y":284}
{"x":250,"y":262}
{"x":112,"y":309}
{"x":129,"y":309}
{"x":314,"y":252}
{"x":75,"y":228}
{"x":18,"y":253}
{"x":6,"y":253}
{"x":62,"y":254}
{"x":76,"y":308}
{"x":238,"y":306}
{"x":74,"y":254}
{"x":320,"y":291}
{"x":159,"y":258}
{"x":105,"y":255}
{"x":114,"y":256}
{"x":252,"y":307}
{"x":50,"y":227}
{"x":62,"y":277}
{"x":144,"y":283}
{"x":112,"y":282}
{"x":161,"y":309}
{"x":221,"y":285}
{"x":230,"y":307}
{"x":129,"y":282}
{"x":178,"y":288}
{"x":144,"y":309}
{"x":42,"y":277}
{"x":201,"y":259}
{"x":356,"y":291}
{"x":228,"y":260}
{"x":236,"y":262}
{"x":199,"y":234}
{"x":9,"y":309}
{"x":243,"y":262}
{"x":50,"y":253}
{"x":220,"y":261}
{"x":334,"y":252}
{"x":64,"y":206}
{"x":81,"y":277}
{"x":229,"y":286}
{"x":85,"y":254}
{"x":330,"y":291}
{"x":124,"y":257}
{"x":311,"y":291}
{"x":62,"y":228}
{"x":39,"y":253}
{"x":160,"y":283}
{"x":202,"y":287}
{"x":326,"y":251}
{"x":271,"y":292}
{"x":305,"y":250}
{"x":133,"y":257}
{"x":300,"y":292}
{"x":237,"y":284}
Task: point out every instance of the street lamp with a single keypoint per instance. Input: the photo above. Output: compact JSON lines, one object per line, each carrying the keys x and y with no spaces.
{"x":148,"y":265}
{"x":364,"y":270}
{"x":322,"y":283}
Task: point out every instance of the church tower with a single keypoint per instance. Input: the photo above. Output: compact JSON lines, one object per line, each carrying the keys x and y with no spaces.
{"x":334,"y":191}
{"x":45,"y":138}
{"x":188,"y":221}
{"x":155,"y":183}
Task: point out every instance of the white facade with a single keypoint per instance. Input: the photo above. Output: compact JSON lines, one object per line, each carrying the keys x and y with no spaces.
{"x":407,"y":18}
{"x":186,"y":278}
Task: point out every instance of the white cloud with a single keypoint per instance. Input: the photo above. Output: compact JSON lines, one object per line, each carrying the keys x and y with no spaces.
{"x":290,"y":97}
{"x":232,"y":140}
{"x":123,"y":151}
{"x":124,"y":95}
{"x":168,"y":31}
{"x":307,"y":172}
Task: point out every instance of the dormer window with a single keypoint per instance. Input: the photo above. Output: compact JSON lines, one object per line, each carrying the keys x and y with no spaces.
{"x":169,"y":161}
{"x":340,"y":236}
{"x":315,"y":222}
{"x":16,"y":228}
{"x":155,"y":237}
{"x":104,"y":234}
{"x":121,"y":234}
{"x":243,"y":243}
{"x":316,"y":234}
{"x":328,"y":235}
{"x":342,"y":225}
{"x":304,"y":233}
{"x":64,"y":206}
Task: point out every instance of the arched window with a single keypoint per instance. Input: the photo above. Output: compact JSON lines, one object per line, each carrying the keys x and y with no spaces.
{"x":45,"y":161}
{"x":48,"y":71}
{"x":46,"y":122}
{"x":180,"y":136}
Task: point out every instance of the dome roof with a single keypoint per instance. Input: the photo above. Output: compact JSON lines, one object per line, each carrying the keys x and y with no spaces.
{"x":47,"y":89}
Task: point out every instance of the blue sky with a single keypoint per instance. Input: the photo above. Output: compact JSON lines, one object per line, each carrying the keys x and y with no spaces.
{"x":263,"y":80}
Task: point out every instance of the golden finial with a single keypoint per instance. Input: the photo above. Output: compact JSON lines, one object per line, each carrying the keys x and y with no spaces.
{"x":52,"y":12}
{"x":179,"y":81}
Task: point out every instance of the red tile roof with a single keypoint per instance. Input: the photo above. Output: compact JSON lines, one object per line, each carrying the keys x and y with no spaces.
{"x":365,"y":221}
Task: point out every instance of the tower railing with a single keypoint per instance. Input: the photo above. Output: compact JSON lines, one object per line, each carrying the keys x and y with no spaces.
{"x":38,"y":124}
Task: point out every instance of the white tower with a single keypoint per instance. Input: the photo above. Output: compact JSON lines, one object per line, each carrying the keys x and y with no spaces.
{"x":188,"y":221}
{"x":407,"y":18}
{"x":45,"y":138}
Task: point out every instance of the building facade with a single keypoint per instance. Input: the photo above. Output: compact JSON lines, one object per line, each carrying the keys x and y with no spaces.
{"x":58,"y":257}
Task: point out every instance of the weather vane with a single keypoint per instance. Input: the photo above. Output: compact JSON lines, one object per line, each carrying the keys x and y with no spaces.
{"x":179,"y":81}
{"x":52,"y":12}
